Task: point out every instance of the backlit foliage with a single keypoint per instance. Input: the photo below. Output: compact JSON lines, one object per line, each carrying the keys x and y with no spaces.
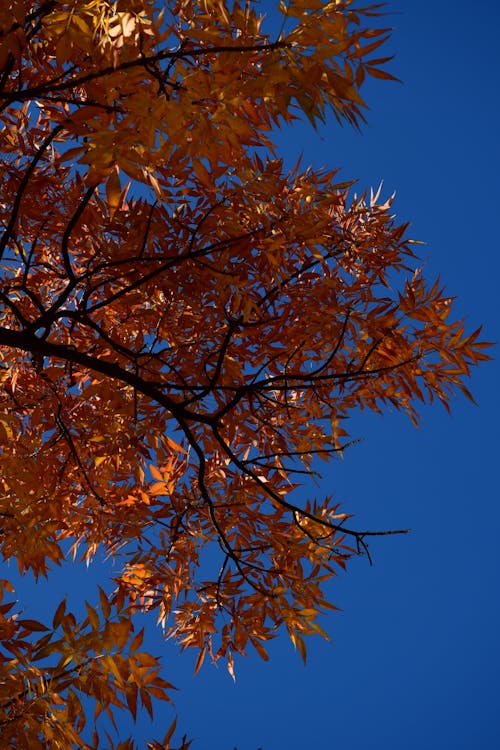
{"x":185,"y":326}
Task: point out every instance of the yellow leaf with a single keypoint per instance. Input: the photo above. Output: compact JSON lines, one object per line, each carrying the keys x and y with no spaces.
{"x":113,"y":191}
{"x":155,"y":473}
{"x":159,"y":488}
{"x":174,"y":446}
{"x":299,"y":644}
{"x":230,"y":665}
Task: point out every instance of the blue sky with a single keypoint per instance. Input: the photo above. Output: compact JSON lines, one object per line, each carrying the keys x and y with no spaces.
{"x":415,"y":657}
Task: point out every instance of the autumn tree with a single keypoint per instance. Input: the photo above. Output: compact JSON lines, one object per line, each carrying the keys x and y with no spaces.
{"x":185,"y":327}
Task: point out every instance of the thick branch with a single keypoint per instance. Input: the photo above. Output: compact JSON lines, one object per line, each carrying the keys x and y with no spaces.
{"x":29,"y":343}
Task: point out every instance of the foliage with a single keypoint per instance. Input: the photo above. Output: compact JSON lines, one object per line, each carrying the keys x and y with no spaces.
{"x":184,"y":328}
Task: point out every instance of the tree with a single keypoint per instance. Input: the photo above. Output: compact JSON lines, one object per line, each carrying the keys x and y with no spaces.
{"x":185,"y":327}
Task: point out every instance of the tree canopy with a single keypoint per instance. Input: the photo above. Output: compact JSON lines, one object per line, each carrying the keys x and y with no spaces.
{"x":185,"y":327}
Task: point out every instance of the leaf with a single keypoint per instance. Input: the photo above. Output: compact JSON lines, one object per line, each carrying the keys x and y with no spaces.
{"x":92,"y":616}
{"x":59,"y":614}
{"x":137,"y":641}
{"x":230,"y":665}
{"x":173,"y":445}
{"x":299,"y":644}
{"x":32,"y":625}
{"x":170,"y":733}
{"x":155,"y":473}
{"x":260,"y":649}
{"x":200,"y":659}
{"x":113,"y":191}
{"x":382,"y":74}
{"x":105,"y":605}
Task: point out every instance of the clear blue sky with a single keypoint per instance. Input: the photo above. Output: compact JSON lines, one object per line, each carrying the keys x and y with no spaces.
{"x":414,"y":660}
